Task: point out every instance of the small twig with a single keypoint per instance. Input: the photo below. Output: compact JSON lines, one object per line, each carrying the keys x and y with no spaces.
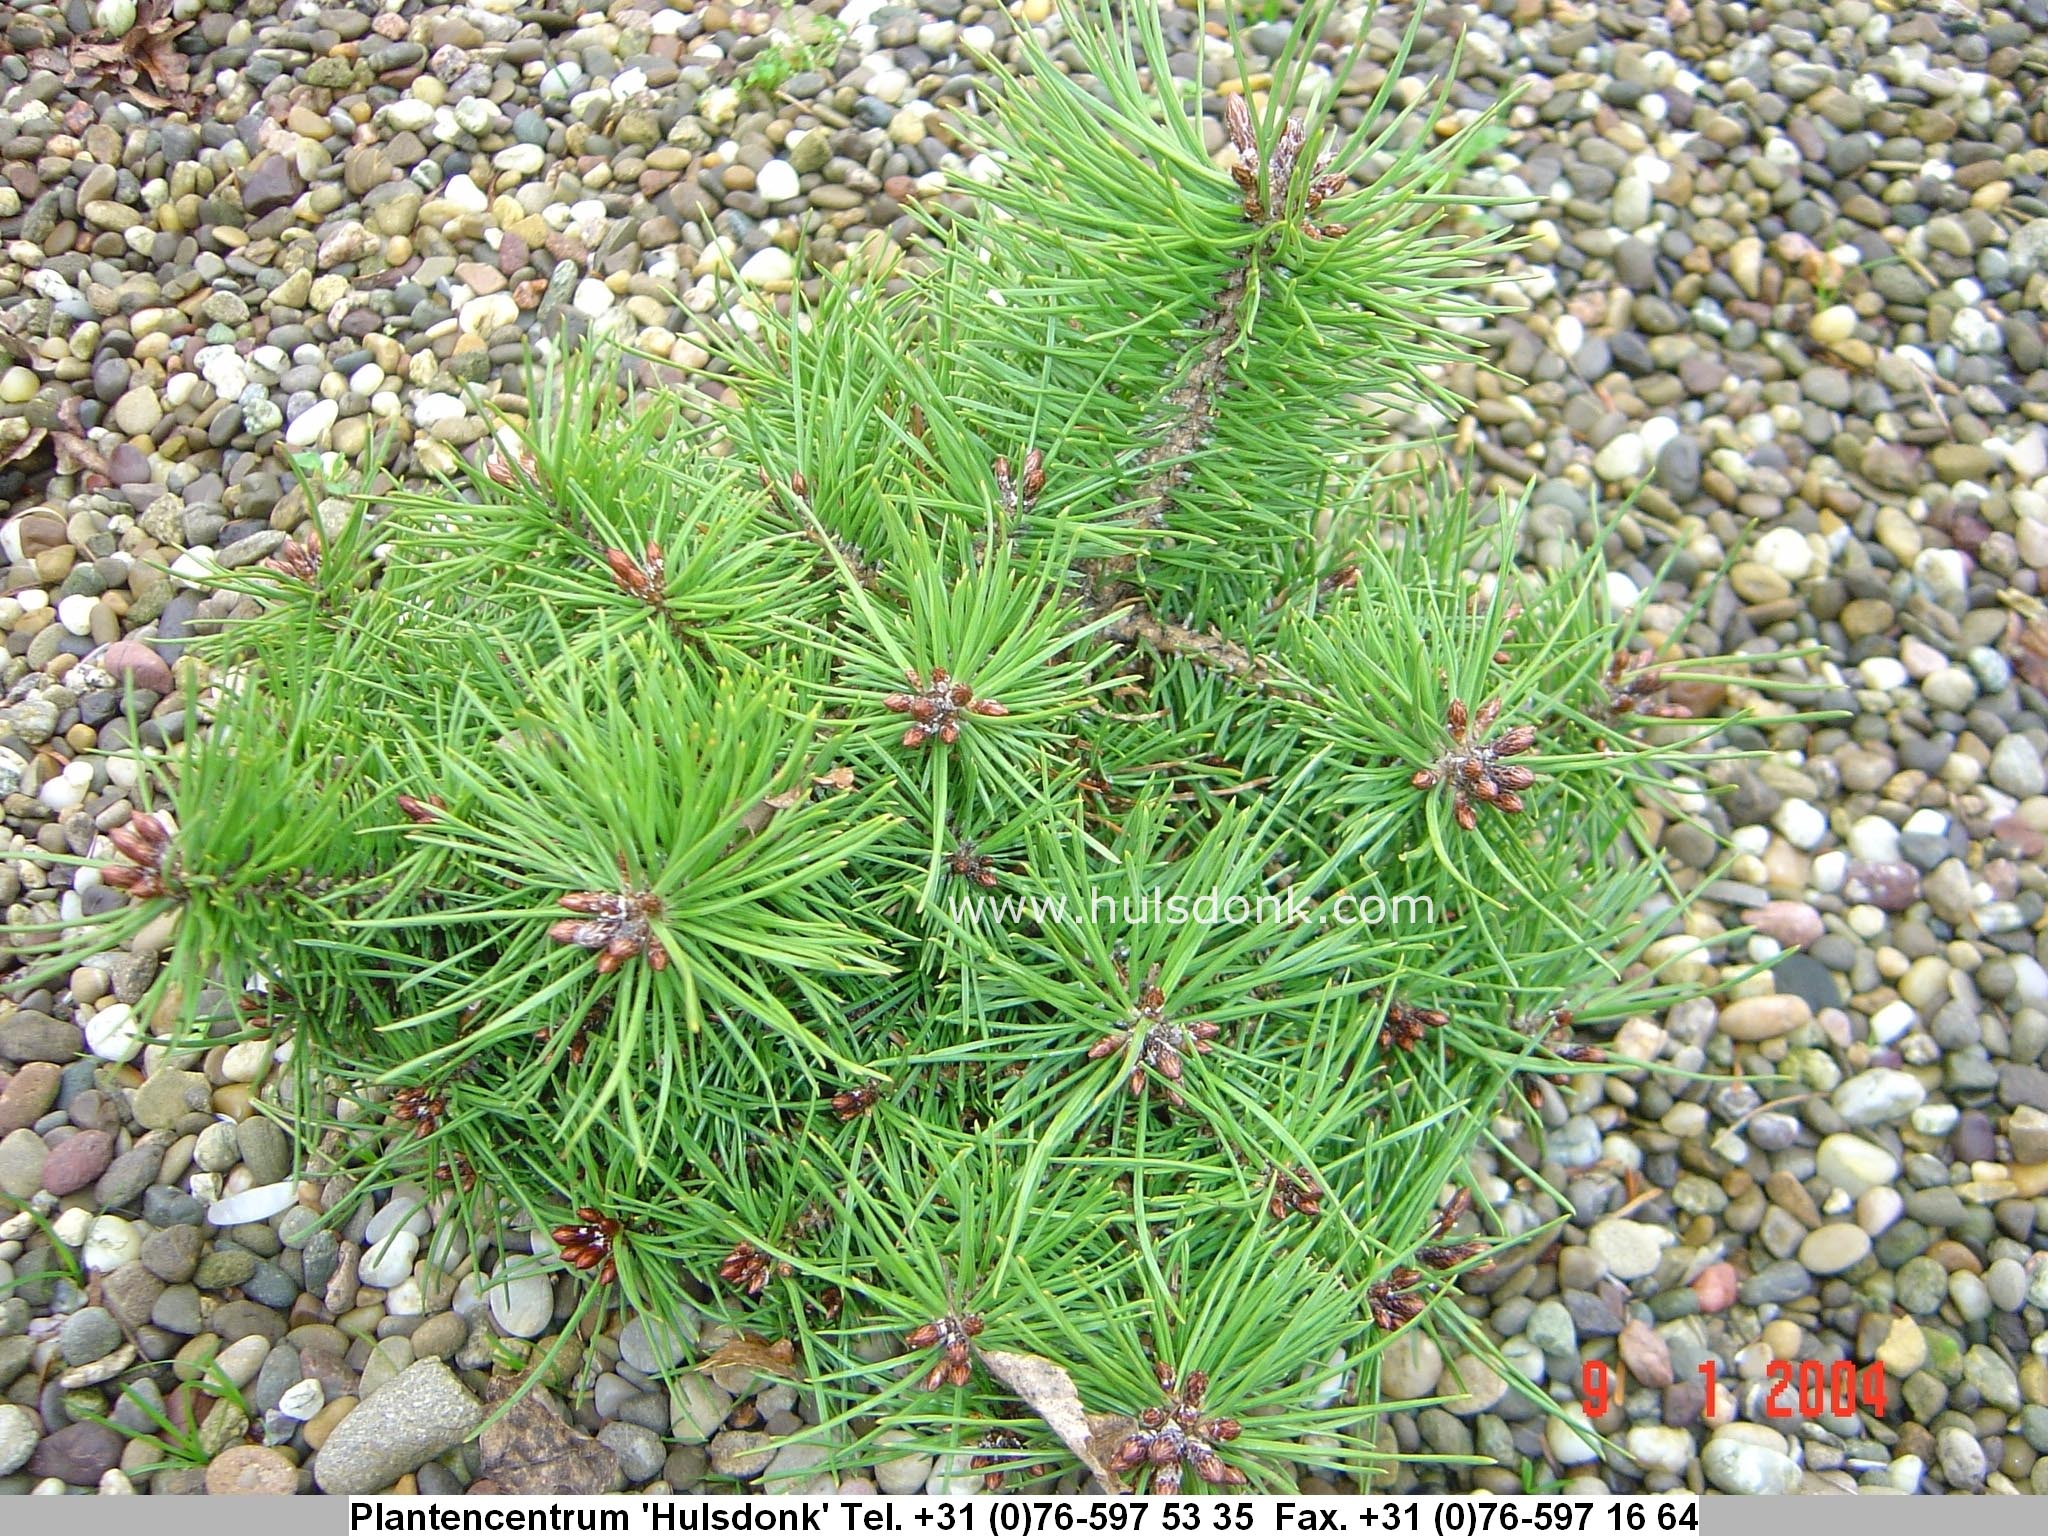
{"x":1135,"y":623}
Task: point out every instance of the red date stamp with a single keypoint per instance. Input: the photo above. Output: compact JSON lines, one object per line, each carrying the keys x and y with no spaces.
{"x":1803,"y":1389}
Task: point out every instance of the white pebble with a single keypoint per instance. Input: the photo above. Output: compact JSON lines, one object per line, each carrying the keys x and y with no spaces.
{"x":521,"y":1297}
{"x":1926,"y":822}
{"x":777,"y":182}
{"x":1893,"y":1021}
{"x":1805,"y":825}
{"x":1622,"y":593}
{"x":114,"y":1033}
{"x":110,"y":1242}
{"x":1786,"y":551}
{"x":406,"y":1299}
{"x":1829,"y":870}
{"x":408,"y":114}
{"x":71,"y":1226}
{"x":1884,"y":674}
{"x":386,"y":1263}
{"x":432,"y":408}
{"x":770,"y":266}
{"x":592,"y":298}
{"x":474,"y":114}
{"x":1935,"y":1119}
{"x":406,"y":1208}
{"x":257,"y":1204}
{"x":223,"y":368}
{"x":465,"y":194}
{"x":75,"y":613}
{"x":1873,"y":840}
{"x":491,"y":312}
{"x":302,"y":1399}
{"x":244,"y":1061}
{"x":520,"y":159}
{"x":1878,"y":1208}
{"x":1657,"y":433}
{"x":1621,"y":459}
{"x":67,"y":791}
{"x":1751,"y":839}
{"x":312,"y":424}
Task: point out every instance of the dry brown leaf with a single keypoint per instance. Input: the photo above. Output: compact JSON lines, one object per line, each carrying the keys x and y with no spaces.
{"x":758,"y":1356}
{"x":75,"y":453}
{"x":23,"y":447}
{"x":1049,"y":1392}
{"x":531,"y":1450}
{"x":148,"y":49}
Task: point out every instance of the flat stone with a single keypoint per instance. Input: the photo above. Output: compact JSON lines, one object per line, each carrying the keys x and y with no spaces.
{"x":419,"y":1415}
{"x":1834,"y":1248}
{"x":1764,"y":1018}
{"x":1739,"y":1466}
{"x":655,"y":1345}
{"x":78,"y":1454}
{"x":259,"y":1469}
{"x":1629,"y":1249}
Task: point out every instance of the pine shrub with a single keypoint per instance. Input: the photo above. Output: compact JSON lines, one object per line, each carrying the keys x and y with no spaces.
{"x":1021,"y":858}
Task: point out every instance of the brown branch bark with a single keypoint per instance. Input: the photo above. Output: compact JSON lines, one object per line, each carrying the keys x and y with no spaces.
{"x":1188,"y":417}
{"x":1135,"y":624}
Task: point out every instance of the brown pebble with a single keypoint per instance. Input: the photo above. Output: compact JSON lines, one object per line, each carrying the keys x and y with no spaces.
{"x":321,"y":1425}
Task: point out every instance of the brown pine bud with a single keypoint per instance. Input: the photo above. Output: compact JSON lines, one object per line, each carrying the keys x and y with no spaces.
{"x":420,"y":812}
{"x":1034,"y":477}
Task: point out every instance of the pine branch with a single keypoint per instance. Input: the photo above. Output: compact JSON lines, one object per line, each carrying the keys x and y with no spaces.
{"x":1189,"y":415}
{"x":1135,"y":624}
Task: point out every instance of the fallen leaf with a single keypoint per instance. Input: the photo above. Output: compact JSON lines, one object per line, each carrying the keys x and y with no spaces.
{"x":74,"y":453}
{"x":1049,"y":1392}
{"x":758,"y":1356}
{"x":148,"y":49}
{"x":530,"y":1450}
{"x":22,"y":448}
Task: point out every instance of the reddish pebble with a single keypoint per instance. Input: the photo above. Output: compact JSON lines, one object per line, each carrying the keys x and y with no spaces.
{"x":2024,"y":841}
{"x":1715,"y":1286}
{"x":1891,"y":887}
{"x":1646,"y":1355}
{"x":77,"y":1161}
{"x":1792,"y":923}
{"x":140,"y":665}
